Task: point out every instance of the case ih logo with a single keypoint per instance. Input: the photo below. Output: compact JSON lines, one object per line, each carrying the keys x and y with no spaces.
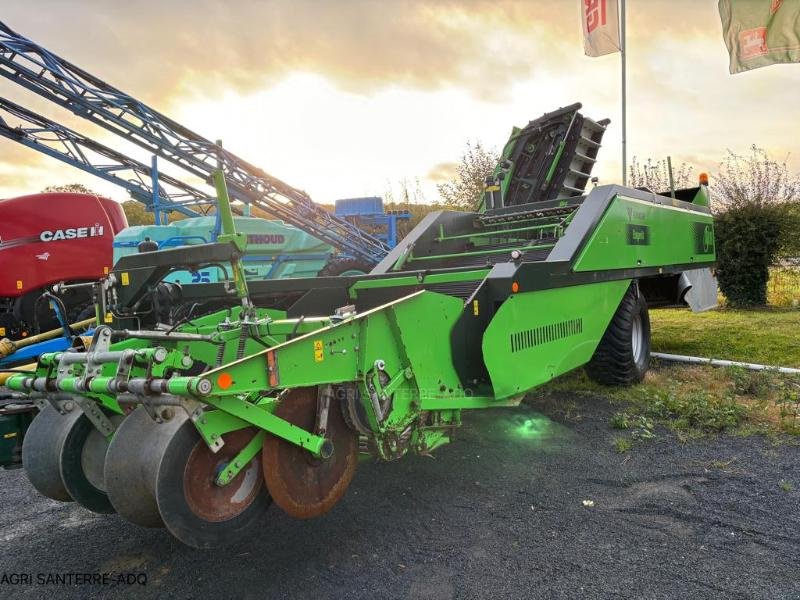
{"x":595,"y":14}
{"x":73,"y":233}
{"x":753,"y":42}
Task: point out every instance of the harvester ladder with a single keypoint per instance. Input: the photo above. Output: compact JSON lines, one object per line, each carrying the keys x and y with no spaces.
{"x":583,"y":159}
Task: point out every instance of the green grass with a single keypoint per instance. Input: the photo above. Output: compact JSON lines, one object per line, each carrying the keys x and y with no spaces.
{"x":622,"y":444}
{"x":695,"y":401}
{"x":766,"y":336}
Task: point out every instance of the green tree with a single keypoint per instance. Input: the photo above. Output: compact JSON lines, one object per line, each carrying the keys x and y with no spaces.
{"x":137,"y":214}
{"x":464,"y":191}
{"x":72,"y":188}
{"x":755,"y":199}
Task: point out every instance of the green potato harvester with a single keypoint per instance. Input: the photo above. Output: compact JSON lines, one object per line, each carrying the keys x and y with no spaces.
{"x":197,"y":406}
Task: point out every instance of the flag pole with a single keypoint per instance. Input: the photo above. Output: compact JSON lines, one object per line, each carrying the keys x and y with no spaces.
{"x":624,"y":97}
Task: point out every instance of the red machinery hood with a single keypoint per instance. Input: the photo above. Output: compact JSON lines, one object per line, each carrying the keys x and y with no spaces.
{"x":47,"y":238}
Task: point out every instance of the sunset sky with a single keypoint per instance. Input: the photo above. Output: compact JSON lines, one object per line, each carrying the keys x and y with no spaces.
{"x":348,"y":97}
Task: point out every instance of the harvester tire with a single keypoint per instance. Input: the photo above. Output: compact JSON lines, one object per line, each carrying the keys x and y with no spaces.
{"x":345,"y":266}
{"x":132,"y":463}
{"x":82,"y":459}
{"x":623,"y":355}
{"x":194,"y":508}
{"x":41,"y":451}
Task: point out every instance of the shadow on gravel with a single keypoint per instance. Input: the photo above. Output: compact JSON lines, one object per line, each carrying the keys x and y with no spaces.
{"x":500,"y":513}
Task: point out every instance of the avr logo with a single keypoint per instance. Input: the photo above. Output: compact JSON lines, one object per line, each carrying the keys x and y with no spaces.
{"x":703,"y":238}
{"x":639,"y":215}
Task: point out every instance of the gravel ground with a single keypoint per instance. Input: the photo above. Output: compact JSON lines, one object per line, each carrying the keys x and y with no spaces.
{"x":498,"y":514}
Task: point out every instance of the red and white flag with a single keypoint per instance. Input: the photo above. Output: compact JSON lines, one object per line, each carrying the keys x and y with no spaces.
{"x":600,"y":20}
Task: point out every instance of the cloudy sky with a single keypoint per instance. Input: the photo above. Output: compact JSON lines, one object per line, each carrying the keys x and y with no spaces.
{"x":349,"y":97}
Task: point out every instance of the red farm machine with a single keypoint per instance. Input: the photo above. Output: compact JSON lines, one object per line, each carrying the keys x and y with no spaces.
{"x":46,"y":239}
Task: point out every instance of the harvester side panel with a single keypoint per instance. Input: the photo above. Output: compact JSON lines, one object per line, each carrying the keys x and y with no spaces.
{"x":537,"y":336}
{"x":643,"y":234}
{"x":411,"y":332}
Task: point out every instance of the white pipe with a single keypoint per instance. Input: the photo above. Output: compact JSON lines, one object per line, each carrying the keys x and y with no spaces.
{"x":717,"y":362}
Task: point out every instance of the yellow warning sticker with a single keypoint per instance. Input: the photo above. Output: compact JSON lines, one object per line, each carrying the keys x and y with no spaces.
{"x":9,"y":435}
{"x":125,"y":278}
{"x":105,"y":270}
{"x":19,"y":284}
{"x":108,"y":318}
{"x":475,"y":308}
{"x":2,"y":330}
{"x":319,"y":355}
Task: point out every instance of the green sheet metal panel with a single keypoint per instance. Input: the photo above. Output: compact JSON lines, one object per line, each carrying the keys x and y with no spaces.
{"x":536,"y":336}
{"x":636,"y":233}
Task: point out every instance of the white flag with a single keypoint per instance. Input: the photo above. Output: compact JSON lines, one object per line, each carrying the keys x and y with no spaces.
{"x":600,"y":26}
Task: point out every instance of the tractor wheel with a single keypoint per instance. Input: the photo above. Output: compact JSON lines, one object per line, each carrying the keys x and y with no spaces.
{"x":345,"y":266}
{"x":41,"y":451}
{"x":623,"y":355}
{"x":194,"y":508}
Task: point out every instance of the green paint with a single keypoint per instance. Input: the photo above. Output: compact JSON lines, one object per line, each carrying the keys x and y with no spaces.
{"x":536,"y":336}
{"x":241,"y":460}
{"x":635,"y":233}
{"x":481,"y":252}
{"x":417,"y":279}
{"x":229,"y":233}
{"x":554,"y":164}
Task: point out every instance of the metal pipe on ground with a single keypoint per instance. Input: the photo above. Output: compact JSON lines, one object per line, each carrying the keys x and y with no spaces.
{"x":718,"y":362}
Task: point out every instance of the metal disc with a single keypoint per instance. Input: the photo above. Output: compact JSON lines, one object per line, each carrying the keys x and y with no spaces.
{"x":194,"y":508}
{"x":41,"y":449}
{"x":302,"y":485}
{"x":81,"y":459}
{"x":132,"y":462}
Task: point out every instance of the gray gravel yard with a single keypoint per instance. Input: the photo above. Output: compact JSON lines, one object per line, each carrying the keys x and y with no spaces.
{"x":500,"y":513}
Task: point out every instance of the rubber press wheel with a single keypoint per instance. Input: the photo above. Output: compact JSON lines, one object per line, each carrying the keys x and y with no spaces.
{"x":132,"y":463}
{"x":301,"y":484}
{"x":623,"y":355}
{"x":41,"y":451}
{"x":81,"y":460}
{"x":194,"y":508}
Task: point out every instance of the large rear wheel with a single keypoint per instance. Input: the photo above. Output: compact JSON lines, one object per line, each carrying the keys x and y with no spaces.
{"x":623,"y":355}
